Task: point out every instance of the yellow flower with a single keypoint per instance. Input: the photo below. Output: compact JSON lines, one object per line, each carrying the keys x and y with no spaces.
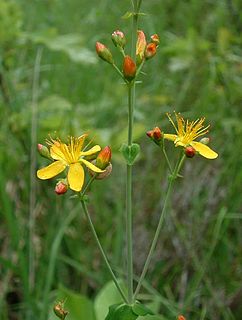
{"x":186,"y":132}
{"x":71,"y":156}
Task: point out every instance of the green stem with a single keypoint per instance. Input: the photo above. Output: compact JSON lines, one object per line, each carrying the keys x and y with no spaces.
{"x":166,"y":157}
{"x":131,"y":105}
{"x":161,"y":220}
{"x":102,"y":251}
{"x":131,"y":94}
{"x":119,"y":72}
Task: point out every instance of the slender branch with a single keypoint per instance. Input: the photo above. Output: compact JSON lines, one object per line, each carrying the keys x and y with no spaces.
{"x":165,"y":155}
{"x":102,"y":251}
{"x":119,"y":72}
{"x":161,"y":220}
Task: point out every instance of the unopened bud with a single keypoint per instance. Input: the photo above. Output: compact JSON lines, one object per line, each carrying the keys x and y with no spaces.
{"x":205,"y":140}
{"x":150,"y":51}
{"x":140,"y":46}
{"x":190,"y":152}
{"x":59,"y":310}
{"x":104,"y":53}
{"x":61,"y":187}
{"x":119,"y":39}
{"x":156,"y":135}
{"x":104,"y":157}
{"x":129,"y":68}
{"x":43,"y":151}
{"x":180,"y":317}
{"x":155,"y":39}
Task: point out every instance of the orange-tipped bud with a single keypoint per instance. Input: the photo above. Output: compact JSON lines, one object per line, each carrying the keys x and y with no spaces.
{"x":119,"y":39}
{"x":43,"y":151}
{"x":190,"y":152}
{"x":59,"y":310}
{"x":205,"y":140}
{"x":155,"y":39}
{"x":140,"y":46}
{"x":180,"y":317}
{"x":150,"y":51}
{"x":104,"y":158}
{"x":104,"y":53}
{"x":61,"y":187}
{"x":156,"y":135}
{"x":129,"y":68}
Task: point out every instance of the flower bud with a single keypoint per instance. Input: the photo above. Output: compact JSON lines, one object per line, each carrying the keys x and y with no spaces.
{"x":205,"y":140}
{"x":104,"y":53}
{"x":118,"y":39}
{"x":190,"y":152}
{"x":150,"y":50}
{"x":155,"y":39}
{"x":61,"y":187}
{"x":59,"y":310}
{"x":140,"y":46}
{"x":156,"y":135}
{"x":43,"y":151}
{"x":103,"y":158}
{"x":180,"y":317}
{"x":129,"y":68}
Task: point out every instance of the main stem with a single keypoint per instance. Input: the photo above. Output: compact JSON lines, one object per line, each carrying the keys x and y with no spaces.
{"x":129,"y":200}
{"x":102,"y":251}
{"x":131,"y":106}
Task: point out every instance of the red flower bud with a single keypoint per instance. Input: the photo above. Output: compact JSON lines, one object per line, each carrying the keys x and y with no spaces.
{"x":118,"y":39}
{"x":43,"y":151}
{"x":155,"y":39}
{"x":61,"y":187}
{"x":156,"y":135}
{"x":150,"y":50}
{"x":129,"y":68}
{"x":180,"y":317}
{"x":104,"y":53}
{"x":104,"y":157}
{"x":190,"y":152}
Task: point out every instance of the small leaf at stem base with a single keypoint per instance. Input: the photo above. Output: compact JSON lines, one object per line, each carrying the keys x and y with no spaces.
{"x":130,"y":153}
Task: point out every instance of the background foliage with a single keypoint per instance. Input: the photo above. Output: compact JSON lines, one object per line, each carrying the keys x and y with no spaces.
{"x":51,"y":81}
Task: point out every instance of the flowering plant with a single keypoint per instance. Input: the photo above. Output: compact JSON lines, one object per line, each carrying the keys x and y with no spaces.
{"x":72,"y":157}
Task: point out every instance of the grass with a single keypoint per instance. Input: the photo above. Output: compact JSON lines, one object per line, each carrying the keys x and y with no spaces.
{"x":196,"y":268}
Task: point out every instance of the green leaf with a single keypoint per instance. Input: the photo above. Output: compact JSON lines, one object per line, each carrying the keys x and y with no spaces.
{"x":108,"y":296}
{"x":140,"y":309}
{"x":130,"y":153}
{"x":121,"y":312}
{"x":79,"y":306}
{"x":127,"y":15}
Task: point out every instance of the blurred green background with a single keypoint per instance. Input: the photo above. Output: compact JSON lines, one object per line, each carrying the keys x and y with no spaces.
{"x":51,"y":81}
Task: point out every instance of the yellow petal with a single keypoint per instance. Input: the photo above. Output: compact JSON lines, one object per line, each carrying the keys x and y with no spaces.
{"x":51,"y":171}
{"x":91,"y":166}
{"x":171,"y":137}
{"x":91,"y":151}
{"x":204,"y":150}
{"x":58,"y":151}
{"x":76,"y":176}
